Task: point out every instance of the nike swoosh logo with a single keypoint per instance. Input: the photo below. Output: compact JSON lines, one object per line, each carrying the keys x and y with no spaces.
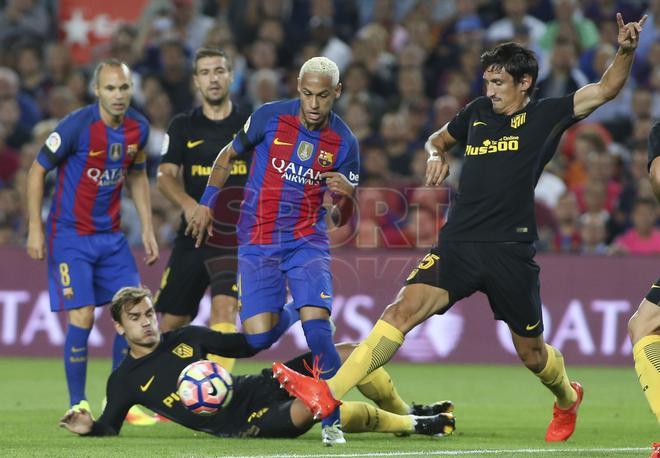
{"x":77,"y":350}
{"x":529,"y":327}
{"x":279,"y":142}
{"x":192,"y":144}
{"x":655,"y":286}
{"x":96,"y":153}
{"x":146,"y":386}
{"x":325,"y":296}
{"x":234,"y":288}
{"x":478,"y":123}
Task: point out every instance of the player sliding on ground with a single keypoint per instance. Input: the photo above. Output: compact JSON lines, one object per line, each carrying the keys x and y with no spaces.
{"x":488,"y":242}
{"x":258,"y":408}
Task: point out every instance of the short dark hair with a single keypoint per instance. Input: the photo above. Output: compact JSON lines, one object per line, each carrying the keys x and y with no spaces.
{"x":125,"y":299}
{"x":208,"y":51}
{"x":112,"y":62}
{"x":515,"y":59}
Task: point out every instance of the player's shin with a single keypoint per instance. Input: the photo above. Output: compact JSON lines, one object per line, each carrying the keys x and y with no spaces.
{"x":119,"y":350}
{"x":555,"y":378}
{"x":378,"y":387}
{"x":318,"y":334}
{"x":645,"y":352}
{"x":359,"y":417}
{"x":376,"y":350}
{"x":75,"y":362}
{"x":227,"y":363}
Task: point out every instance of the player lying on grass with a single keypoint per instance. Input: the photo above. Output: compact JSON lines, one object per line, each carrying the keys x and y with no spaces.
{"x":259,"y":408}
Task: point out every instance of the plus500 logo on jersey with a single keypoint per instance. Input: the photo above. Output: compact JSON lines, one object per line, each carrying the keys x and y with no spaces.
{"x":109,"y":177}
{"x":296,"y":173}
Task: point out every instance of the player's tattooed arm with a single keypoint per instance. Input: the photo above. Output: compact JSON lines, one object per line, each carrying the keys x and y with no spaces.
{"x":437,"y":145}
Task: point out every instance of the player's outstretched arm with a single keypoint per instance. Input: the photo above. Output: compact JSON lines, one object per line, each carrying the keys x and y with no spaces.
{"x":199,"y":224}
{"x":36,"y":246}
{"x":437,"y":145}
{"x":591,"y":96}
{"x":77,"y":422}
{"x":139,"y":185}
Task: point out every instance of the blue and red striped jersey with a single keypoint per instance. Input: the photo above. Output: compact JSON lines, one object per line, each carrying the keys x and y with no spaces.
{"x":284,"y":192}
{"x":92,"y":161}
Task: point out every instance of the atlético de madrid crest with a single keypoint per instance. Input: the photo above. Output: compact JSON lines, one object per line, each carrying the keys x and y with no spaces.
{"x":305,"y":150}
{"x":325,"y":158}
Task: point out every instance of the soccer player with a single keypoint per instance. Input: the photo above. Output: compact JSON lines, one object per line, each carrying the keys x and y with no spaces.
{"x":488,"y":242}
{"x":95,"y":149}
{"x":258,"y":408}
{"x":302,"y":150}
{"x":644,"y":325}
{"x":191,"y":144}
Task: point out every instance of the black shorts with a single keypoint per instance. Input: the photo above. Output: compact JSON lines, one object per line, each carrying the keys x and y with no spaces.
{"x":505,"y":271}
{"x":654,"y":293}
{"x":264,"y":409}
{"x":190,"y":271}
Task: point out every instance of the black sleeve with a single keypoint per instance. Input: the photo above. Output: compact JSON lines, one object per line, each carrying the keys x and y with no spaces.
{"x":654,"y":143}
{"x":459,"y":125}
{"x":112,"y":418}
{"x":175,"y":141}
{"x":233,"y":345}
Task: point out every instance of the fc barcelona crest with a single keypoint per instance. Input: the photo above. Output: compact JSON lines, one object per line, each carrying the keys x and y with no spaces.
{"x":518,"y":120}
{"x":115,"y":151}
{"x":325,"y":158}
{"x":131,"y":150}
{"x":305,"y":150}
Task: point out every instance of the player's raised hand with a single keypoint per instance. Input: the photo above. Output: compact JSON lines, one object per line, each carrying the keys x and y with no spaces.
{"x":200,"y":225}
{"x":629,"y":33}
{"x":77,"y":422}
{"x":338,"y":184}
{"x":150,"y":247}
{"x":36,"y":243}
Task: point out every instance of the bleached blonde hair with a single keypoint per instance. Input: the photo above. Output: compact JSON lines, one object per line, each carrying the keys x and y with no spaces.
{"x":321,"y":65}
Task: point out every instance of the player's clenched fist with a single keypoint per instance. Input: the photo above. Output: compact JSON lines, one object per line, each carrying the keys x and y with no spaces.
{"x":338,"y":184}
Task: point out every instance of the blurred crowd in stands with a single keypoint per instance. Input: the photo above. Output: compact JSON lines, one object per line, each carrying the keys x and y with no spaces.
{"x":407,"y":66}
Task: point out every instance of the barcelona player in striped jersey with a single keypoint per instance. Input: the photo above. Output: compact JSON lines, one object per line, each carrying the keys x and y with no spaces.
{"x":95,"y":149}
{"x":301,"y":150}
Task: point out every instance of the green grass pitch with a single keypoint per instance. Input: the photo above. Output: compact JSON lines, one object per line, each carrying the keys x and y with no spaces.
{"x":500,"y":411}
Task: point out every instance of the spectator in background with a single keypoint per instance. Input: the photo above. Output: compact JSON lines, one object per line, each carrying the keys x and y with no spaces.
{"x":175,"y":75}
{"x":355,"y":88}
{"x":643,"y":237}
{"x":515,"y":15}
{"x":567,"y":238}
{"x":10,"y":88}
{"x":17,"y":134}
{"x":30,"y":67}
{"x":59,"y":103}
{"x":564,"y":77}
{"x":159,"y":111}
{"x":568,"y":16}
{"x":78,"y":84}
{"x":9,"y":162}
{"x":593,"y":235}
{"x":263,"y":86}
{"x":58,"y":63}
{"x":22,"y":19}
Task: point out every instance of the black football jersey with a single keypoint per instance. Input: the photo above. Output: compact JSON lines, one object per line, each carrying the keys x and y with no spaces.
{"x":503,"y":160}
{"x":151,"y":381}
{"x":193,"y":142}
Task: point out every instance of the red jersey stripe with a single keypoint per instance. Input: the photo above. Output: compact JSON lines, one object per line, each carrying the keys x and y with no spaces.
{"x":268,"y":202}
{"x":88,"y":187}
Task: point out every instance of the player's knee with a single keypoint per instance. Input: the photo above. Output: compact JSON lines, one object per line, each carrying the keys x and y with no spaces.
{"x":261,"y":341}
{"x":401,"y":315}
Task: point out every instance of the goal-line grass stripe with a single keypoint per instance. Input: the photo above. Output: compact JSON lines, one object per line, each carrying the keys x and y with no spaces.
{"x":456,"y":452}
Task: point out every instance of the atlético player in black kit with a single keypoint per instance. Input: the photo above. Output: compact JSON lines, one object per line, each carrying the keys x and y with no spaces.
{"x":488,"y":242}
{"x":644,"y":325}
{"x":192,"y":142}
{"x":258,"y":407}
